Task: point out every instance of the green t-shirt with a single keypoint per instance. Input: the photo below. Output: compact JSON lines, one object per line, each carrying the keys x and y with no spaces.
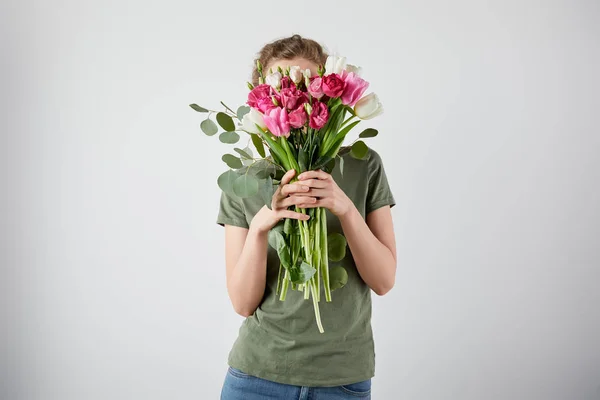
{"x":280,"y":341}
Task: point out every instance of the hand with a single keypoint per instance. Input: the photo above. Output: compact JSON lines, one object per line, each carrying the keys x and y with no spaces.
{"x":287,"y":194}
{"x":328,"y":193}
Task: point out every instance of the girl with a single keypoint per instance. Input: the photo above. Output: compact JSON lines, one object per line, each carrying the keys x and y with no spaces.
{"x":279,"y":352}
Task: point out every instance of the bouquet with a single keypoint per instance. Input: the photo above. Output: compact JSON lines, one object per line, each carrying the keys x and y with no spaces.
{"x":302,"y":120}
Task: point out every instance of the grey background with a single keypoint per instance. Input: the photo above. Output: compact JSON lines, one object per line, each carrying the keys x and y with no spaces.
{"x":113,"y":282}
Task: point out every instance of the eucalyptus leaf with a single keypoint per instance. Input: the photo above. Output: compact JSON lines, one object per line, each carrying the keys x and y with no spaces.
{"x":229,"y":137}
{"x":302,"y":273}
{"x":288,"y":226}
{"x":359,"y":150}
{"x":267,"y":191}
{"x":198,"y":108}
{"x":225,"y":121}
{"x":369,"y":132}
{"x":241,"y":111}
{"x":336,"y":246}
{"x":261,"y":169}
{"x":260,"y":147}
{"x":225,"y":181}
{"x":244,"y":153}
{"x":275,"y":236}
{"x":338,"y":277}
{"x":209,"y":127}
{"x":245,"y":186}
{"x":232,"y":161}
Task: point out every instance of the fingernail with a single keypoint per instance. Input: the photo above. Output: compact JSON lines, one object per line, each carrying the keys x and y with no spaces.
{"x":304,"y":187}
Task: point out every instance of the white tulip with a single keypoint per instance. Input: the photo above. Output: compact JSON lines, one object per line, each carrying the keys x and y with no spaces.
{"x":353,"y":68}
{"x":296,"y":74}
{"x":274,"y":79}
{"x":368,"y":107}
{"x":334,"y":64}
{"x":251,"y":119}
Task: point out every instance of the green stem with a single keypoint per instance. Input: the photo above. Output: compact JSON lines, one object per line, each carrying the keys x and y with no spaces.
{"x":325,"y":255}
{"x":286,"y":282}
{"x":316,"y":306}
{"x":279,"y":279}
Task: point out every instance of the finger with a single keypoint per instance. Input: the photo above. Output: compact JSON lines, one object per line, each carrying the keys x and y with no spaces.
{"x":318,"y":174}
{"x":315,"y":183}
{"x":287,"y":177}
{"x":295,"y":200}
{"x":295,"y":187}
{"x":293,"y":215}
{"x":311,"y":204}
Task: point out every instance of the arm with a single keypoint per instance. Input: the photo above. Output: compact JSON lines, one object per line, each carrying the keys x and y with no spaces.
{"x":246,"y":248}
{"x":373,"y":246}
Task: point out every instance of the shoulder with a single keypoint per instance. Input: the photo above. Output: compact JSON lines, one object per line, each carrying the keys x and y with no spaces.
{"x":373,"y":159}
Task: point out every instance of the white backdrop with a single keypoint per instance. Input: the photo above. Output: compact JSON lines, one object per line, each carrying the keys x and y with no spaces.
{"x":113,"y":277}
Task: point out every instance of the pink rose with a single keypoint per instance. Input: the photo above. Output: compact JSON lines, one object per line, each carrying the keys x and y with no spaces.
{"x":333,"y":85}
{"x":354,"y":88}
{"x":259,"y":92}
{"x":286,"y":82}
{"x":292,"y":98}
{"x":277,"y":121}
{"x":319,"y":115}
{"x":315,"y":89}
{"x":266,"y":103}
{"x":298,"y":117}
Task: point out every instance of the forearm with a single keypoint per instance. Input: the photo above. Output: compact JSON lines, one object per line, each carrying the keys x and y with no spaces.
{"x":374,"y":261}
{"x":247,"y":283}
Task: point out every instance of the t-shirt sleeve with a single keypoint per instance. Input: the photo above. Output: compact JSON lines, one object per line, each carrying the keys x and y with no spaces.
{"x":231,"y":211}
{"x":379,"y":192}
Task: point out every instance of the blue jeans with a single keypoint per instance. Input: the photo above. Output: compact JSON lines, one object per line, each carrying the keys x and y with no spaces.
{"x":240,"y":386}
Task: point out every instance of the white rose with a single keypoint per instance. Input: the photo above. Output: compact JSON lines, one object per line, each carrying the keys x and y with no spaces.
{"x":334,"y":64}
{"x":307,"y":75}
{"x":251,"y":119}
{"x":353,"y":68}
{"x":368,"y":107}
{"x":296,"y":74}
{"x":274,"y":79}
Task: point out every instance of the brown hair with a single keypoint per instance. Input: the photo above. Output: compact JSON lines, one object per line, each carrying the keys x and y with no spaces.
{"x":288,"y":48}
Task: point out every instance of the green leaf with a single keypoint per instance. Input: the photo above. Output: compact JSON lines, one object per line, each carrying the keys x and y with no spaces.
{"x":301,"y":273}
{"x":208,"y":127}
{"x":245,"y":186}
{"x":302,"y":159}
{"x":262,"y":169}
{"x":225,"y":181}
{"x":241,"y":111}
{"x":258,"y":144}
{"x":267,"y":191}
{"x":369,"y":132}
{"x":229,"y":137}
{"x":198,"y":108}
{"x":329,"y":166}
{"x":338,"y":277}
{"x":359,"y":150}
{"x":336,"y":246}
{"x":289,"y":227}
{"x":244,"y":153}
{"x":232,"y":161}
{"x":275,"y":236}
{"x":225,"y":121}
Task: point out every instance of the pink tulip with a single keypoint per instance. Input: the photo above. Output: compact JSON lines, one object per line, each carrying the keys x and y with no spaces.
{"x":354,"y":88}
{"x":277,"y":121}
